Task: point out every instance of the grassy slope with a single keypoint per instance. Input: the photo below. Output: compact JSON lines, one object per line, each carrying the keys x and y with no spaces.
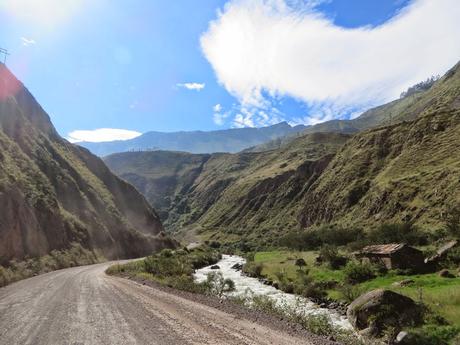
{"x":230,"y":194}
{"x":441,"y":294}
{"x":404,"y":171}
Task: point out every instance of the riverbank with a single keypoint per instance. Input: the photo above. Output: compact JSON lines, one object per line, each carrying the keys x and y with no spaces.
{"x":174,"y":269}
{"x":439,"y":295}
{"x":248,"y":287}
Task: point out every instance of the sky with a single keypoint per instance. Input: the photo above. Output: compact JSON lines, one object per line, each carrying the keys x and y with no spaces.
{"x":112,"y":69}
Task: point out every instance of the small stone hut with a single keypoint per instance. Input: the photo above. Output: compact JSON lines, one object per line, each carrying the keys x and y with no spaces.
{"x":393,"y":256}
{"x":442,"y":252}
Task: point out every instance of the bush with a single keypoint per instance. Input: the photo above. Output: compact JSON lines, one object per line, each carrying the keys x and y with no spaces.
{"x":434,"y":335}
{"x":350,"y":292}
{"x":313,"y":239}
{"x":357,"y":272}
{"x":397,"y":233}
{"x":453,"y":257}
{"x":453,"y":222}
{"x":300,"y":263}
{"x":253,"y":269}
{"x":330,"y":255}
{"x":216,"y":285}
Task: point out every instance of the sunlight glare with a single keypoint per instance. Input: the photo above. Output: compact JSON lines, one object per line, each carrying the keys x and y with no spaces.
{"x":45,"y":13}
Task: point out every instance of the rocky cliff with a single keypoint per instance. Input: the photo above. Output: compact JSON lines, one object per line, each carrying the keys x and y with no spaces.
{"x":54,"y":194}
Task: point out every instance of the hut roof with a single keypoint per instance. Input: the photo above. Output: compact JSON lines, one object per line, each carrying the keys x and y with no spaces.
{"x":382,"y":249}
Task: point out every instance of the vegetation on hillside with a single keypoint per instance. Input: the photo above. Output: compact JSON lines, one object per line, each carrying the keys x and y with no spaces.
{"x":405,"y":171}
{"x":60,"y":205}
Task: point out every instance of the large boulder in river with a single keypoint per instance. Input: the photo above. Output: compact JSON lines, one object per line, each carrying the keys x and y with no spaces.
{"x":380,"y":309}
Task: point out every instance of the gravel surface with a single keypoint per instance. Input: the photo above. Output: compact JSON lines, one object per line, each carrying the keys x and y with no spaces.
{"x":82,"y":305}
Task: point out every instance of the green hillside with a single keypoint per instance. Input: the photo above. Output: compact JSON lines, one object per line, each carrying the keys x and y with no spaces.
{"x":407,"y":170}
{"x":55,"y":195}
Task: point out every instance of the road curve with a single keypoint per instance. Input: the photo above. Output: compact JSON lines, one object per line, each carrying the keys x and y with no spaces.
{"x":83,"y":306}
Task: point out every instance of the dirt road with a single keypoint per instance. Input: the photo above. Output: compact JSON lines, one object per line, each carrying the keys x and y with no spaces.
{"x":84,"y":306}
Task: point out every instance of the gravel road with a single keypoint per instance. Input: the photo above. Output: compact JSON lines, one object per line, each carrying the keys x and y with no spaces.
{"x":82,"y":305}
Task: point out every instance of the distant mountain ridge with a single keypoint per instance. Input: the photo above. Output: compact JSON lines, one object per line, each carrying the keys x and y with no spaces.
{"x":54,"y":194}
{"x":403,"y":170}
{"x":227,"y":140}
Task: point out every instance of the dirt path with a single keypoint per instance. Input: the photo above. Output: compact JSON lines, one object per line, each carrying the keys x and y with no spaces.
{"x":84,"y":306}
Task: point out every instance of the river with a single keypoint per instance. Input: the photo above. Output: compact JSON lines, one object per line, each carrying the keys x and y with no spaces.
{"x":245,"y":285}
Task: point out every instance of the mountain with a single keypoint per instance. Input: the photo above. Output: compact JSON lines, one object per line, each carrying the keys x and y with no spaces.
{"x":406,"y":170}
{"x":229,"y":140}
{"x":54,"y":194}
{"x":406,"y":108}
{"x":231,"y":193}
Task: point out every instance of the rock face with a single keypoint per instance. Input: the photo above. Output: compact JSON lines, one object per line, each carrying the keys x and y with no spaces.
{"x":378,"y":309}
{"x":53,"y":193}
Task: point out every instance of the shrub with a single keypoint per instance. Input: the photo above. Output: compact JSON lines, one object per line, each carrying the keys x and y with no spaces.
{"x":216,"y":284}
{"x":434,"y":335}
{"x":330,"y":255}
{"x":350,"y":292}
{"x":397,"y":233}
{"x":357,"y":272}
{"x":328,"y":234}
{"x":453,"y":257}
{"x":453,"y":221}
{"x":300,"y":263}
{"x":253,"y":269}
{"x":166,"y":253}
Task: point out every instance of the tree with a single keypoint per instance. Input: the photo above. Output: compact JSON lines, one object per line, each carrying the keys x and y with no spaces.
{"x":300,"y":263}
{"x":218,"y":285}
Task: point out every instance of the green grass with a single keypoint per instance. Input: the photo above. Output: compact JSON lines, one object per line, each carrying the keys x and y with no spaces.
{"x":283,"y":261}
{"x":442,"y":295}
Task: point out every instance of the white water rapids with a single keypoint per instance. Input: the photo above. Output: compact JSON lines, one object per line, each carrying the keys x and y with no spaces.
{"x":245,"y":285}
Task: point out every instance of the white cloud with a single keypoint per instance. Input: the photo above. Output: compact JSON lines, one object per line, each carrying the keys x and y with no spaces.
{"x":101,"y":134}
{"x":250,"y":116}
{"x":192,"y":86}
{"x":217,"y":108}
{"x":270,"y":47}
{"x":218,"y":116}
{"x":27,"y":41}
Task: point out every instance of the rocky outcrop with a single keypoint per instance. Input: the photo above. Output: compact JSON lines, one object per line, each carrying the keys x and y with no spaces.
{"x":381,"y":309}
{"x":54,"y":193}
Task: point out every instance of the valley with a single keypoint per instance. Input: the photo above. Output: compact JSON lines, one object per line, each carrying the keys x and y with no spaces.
{"x":406,"y":171}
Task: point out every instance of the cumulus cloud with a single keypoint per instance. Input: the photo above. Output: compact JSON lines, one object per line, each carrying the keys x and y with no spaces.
{"x":101,"y":134}
{"x":218,"y":116}
{"x":27,"y":41}
{"x":262,"y":50}
{"x":192,"y":86}
{"x":217,"y":108}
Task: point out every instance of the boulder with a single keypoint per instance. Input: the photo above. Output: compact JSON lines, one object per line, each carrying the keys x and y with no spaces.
{"x":445,"y":274}
{"x":379,"y":309}
{"x":237,"y":267}
{"x":403,"y":283}
{"x":215,"y":267}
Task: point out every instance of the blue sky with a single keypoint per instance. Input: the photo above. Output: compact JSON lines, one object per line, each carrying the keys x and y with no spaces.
{"x":145,"y":65}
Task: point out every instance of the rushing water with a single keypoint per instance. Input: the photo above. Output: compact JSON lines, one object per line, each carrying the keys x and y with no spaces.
{"x":245,"y":285}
